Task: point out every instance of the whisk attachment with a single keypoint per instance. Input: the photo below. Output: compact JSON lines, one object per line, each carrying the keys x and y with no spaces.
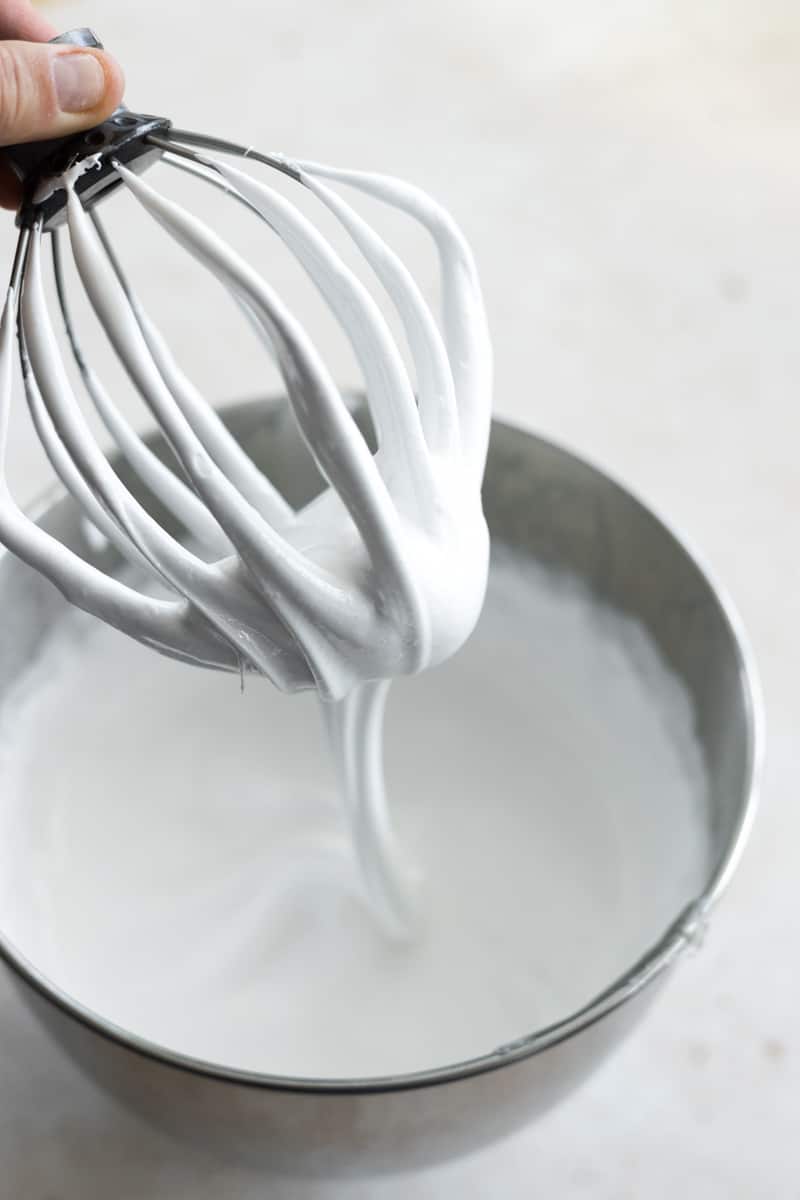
{"x":400,"y":531}
{"x":384,"y":573}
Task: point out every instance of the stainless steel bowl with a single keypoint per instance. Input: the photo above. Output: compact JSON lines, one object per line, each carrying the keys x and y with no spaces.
{"x":561,"y":511}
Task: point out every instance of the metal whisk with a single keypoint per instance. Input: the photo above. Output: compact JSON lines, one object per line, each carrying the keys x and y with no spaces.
{"x":316,"y":598}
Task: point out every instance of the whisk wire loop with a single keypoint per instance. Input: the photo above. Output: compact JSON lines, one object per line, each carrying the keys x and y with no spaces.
{"x":244,"y":587}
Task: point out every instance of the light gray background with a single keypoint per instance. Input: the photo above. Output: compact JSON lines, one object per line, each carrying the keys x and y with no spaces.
{"x":628,"y":174}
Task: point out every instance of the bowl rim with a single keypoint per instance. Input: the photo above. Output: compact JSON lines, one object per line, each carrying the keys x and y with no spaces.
{"x":686,"y":930}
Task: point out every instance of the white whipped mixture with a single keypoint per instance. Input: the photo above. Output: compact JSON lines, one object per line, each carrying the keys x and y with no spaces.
{"x":165,"y":840}
{"x":172,"y":853}
{"x":382,"y":575}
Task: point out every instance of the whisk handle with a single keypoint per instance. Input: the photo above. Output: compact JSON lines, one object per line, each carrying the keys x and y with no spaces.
{"x":122,"y":137}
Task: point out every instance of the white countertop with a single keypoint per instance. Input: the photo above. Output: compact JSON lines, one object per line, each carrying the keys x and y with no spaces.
{"x":629,"y":177}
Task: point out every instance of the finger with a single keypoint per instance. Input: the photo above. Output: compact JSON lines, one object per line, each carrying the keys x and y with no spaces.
{"x":19,"y":20}
{"x":52,"y":91}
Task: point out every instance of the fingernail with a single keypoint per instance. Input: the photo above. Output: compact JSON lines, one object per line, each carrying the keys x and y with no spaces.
{"x":80,"y":82}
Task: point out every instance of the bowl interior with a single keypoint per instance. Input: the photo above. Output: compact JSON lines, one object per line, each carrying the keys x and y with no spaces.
{"x":563,"y":514}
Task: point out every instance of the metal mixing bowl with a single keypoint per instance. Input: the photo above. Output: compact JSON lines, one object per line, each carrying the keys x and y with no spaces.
{"x":561,"y":511}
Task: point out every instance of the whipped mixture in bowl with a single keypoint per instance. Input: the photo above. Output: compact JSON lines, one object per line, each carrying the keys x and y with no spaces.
{"x":188,"y":859}
{"x":178,"y":860}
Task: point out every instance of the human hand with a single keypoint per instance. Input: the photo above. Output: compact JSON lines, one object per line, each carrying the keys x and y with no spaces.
{"x":47,"y":91}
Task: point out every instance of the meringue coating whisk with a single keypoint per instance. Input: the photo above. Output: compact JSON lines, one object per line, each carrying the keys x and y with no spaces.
{"x":247,"y":596}
{"x":384,"y":573}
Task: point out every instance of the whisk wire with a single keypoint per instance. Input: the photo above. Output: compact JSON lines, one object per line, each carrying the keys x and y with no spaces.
{"x":435,"y":381}
{"x":271,"y":560}
{"x":164,"y":483}
{"x":389,"y":393}
{"x":324,"y":418}
{"x":177,"y":140}
{"x":229,"y":456}
{"x":257,"y":593}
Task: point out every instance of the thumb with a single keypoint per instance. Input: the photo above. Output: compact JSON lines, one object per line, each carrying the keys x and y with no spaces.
{"x":51,"y":91}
